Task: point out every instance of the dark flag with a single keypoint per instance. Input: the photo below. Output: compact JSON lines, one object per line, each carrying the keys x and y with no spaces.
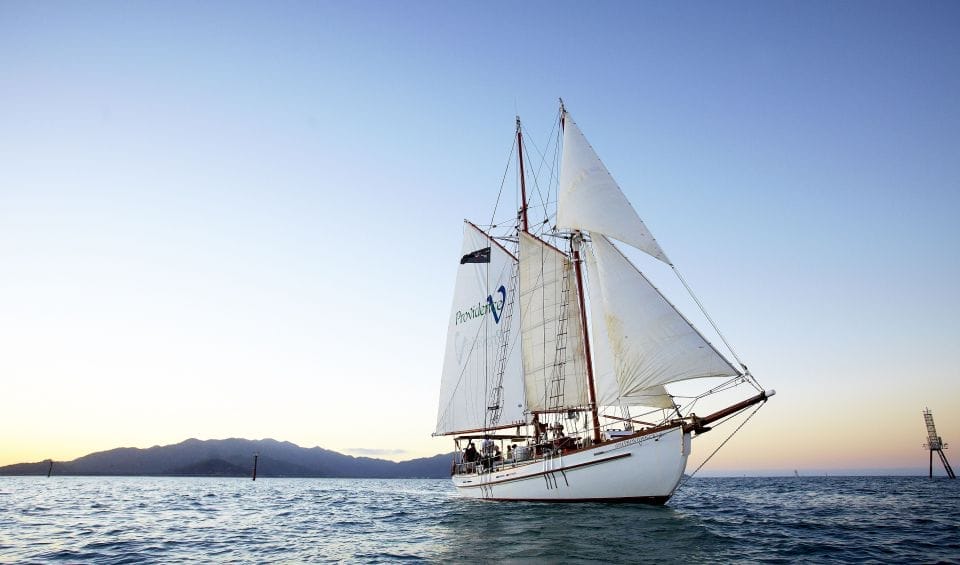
{"x":478,"y":256}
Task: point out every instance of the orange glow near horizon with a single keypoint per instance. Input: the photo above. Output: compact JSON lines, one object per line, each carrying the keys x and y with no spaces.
{"x":768,"y":443}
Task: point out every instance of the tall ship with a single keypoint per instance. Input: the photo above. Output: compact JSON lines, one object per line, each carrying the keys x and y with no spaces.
{"x":559,"y":349}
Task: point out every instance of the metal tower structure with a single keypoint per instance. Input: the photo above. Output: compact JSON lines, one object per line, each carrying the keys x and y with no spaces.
{"x":935,"y":443}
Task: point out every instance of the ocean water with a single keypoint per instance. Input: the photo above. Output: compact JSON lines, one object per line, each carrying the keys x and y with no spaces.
{"x":709,"y":520}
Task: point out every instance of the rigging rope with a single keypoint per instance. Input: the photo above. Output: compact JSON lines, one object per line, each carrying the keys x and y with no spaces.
{"x":726,"y":385}
{"x":746,"y":371}
{"x":544,"y":201}
{"x":536,"y":184}
{"x":503,"y":181}
{"x":690,"y":476}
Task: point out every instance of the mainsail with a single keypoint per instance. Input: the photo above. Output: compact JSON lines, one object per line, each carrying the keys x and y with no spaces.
{"x":651,"y":343}
{"x":554,"y":363}
{"x":483,"y":349}
{"x":590,"y":200}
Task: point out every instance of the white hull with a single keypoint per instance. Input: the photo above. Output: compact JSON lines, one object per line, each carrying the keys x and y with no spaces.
{"x":643,"y":469}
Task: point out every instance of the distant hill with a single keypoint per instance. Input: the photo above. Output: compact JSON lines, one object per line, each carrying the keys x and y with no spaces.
{"x":234,"y":458}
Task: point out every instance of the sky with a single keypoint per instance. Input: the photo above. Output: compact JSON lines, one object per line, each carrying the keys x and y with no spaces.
{"x":237,"y":219}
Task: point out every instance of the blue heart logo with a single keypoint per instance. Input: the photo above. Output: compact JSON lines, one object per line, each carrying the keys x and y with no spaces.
{"x":503,"y":302}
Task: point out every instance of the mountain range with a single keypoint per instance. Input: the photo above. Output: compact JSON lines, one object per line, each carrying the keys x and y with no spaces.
{"x":234,"y":458}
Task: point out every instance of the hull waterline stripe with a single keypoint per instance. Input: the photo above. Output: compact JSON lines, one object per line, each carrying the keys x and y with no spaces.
{"x":542,"y":473}
{"x":654,"y":500}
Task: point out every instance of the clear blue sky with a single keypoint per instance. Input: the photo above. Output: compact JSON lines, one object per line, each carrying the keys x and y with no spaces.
{"x":237,"y":219}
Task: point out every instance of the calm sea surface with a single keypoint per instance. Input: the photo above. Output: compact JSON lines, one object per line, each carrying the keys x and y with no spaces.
{"x":127,"y":520}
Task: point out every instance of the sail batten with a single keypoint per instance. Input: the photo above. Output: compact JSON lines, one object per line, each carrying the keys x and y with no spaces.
{"x":589,"y":198}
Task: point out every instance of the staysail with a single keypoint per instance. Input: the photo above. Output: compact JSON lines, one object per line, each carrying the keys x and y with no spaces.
{"x":590,"y":200}
{"x":605,"y":376}
{"x":650,"y":342}
{"x":554,"y":362}
{"x":477,"y":359}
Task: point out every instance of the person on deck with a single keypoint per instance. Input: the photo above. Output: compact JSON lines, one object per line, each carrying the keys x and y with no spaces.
{"x":487,"y":449}
{"x":557,"y":431}
{"x":471,"y":455}
{"x":539,"y":430}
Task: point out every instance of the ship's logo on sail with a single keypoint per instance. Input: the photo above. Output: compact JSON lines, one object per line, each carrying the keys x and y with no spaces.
{"x":493,"y":307}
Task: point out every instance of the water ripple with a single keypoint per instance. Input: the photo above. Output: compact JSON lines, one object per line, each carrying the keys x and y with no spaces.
{"x":170,"y":520}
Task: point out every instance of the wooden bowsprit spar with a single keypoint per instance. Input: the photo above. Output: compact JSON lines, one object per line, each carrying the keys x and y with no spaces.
{"x":701,"y":424}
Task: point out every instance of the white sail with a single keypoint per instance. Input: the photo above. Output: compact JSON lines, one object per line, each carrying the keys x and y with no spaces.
{"x":554,"y":363}
{"x":478,"y":319}
{"x":517,"y":343}
{"x":650,"y":341}
{"x":605,"y":378}
{"x":654,"y":397}
{"x":590,"y":200}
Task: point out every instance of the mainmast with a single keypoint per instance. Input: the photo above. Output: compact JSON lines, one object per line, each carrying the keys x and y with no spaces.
{"x":575,"y":247}
{"x":523,"y":183}
{"x":575,"y":242}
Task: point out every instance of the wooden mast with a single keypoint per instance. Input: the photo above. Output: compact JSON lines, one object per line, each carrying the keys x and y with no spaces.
{"x":524,"y":226}
{"x":575,"y":249}
{"x":523,"y":183}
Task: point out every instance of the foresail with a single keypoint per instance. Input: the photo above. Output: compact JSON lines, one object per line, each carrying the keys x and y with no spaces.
{"x":650,"y":341}
{"x":605,"y":377}
{"x":554,"y":363}
{"x":477,"y":359}
{"x":654,"y":397}
{"x":590,"y":199}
